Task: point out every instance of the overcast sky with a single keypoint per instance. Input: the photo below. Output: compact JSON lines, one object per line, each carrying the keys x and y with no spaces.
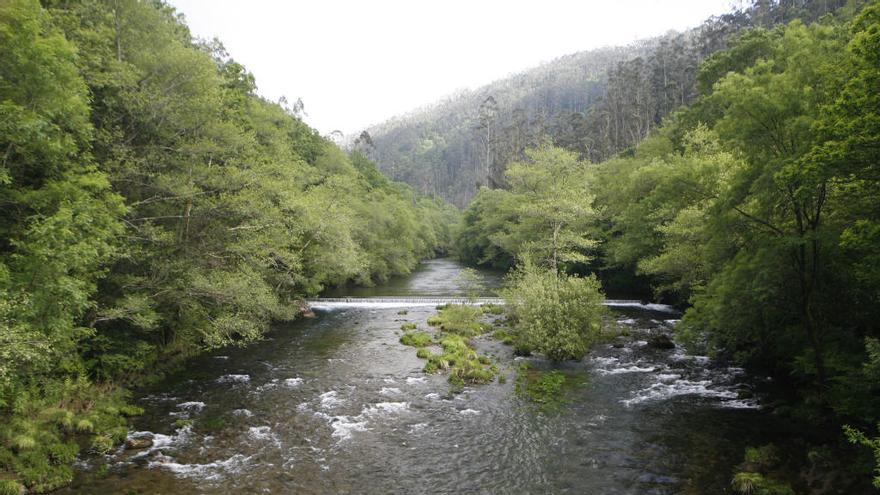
{"x":359,"y":62}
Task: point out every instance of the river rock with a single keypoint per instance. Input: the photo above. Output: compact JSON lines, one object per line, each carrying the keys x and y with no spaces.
{"x":305,"y":311}
{"x":137,"y":443}
{"x":661,"y":341}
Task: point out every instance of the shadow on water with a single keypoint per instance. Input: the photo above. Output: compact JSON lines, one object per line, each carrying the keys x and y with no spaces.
{"x":336,"y":404}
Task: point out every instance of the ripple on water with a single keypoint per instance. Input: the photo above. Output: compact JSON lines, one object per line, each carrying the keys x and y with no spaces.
{"x":293,"y":382}
{"x":382,"y":408}
{"x":234,"y":379}
{"x":330,"y":399}
{"x":191,"y":406}
{"x":702,"y":388}
{"x":206,"y":472}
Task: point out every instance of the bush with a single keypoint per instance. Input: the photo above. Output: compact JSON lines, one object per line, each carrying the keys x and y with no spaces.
{"x":557,"y":315}
{"x":408,"y":326}
{"x":10,"y":487}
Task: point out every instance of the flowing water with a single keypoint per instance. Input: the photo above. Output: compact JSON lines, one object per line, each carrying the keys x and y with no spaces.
{"x":336,"y":404}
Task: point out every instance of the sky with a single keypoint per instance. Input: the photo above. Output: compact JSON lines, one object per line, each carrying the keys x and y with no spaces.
{"x":356,"y":63}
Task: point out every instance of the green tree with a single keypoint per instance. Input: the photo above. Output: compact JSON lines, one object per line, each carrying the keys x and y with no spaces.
{"x":555,"y":314}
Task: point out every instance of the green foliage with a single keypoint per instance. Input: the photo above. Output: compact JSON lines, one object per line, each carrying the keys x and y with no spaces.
{"x":492,"y":309}
{"x":416,"y":339}
{"x":461,"y":362}
{"x":503,"y":336}
{"x":859,"y":438}
{"x":753,"y":478}
{"x":557,"y":315}
{"x":408,"y":326}
{"x":154,"y":207}
{"x":471,"y":284}
{"x":460,"y":319}
{"x":546,"y":389}
{"x":38,"y":436}
{"x":183,"y":423}
{"x":10,"y":487}
{"x":544,"y":215}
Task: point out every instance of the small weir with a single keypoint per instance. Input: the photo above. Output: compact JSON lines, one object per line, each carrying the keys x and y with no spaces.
{"x":329,"y":303}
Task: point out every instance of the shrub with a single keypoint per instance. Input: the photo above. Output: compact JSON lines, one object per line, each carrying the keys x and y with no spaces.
{"x":557,"y":315}
{"x":408,"y":326}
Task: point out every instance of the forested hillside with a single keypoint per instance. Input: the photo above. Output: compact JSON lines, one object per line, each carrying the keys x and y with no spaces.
{"x":153,"y":206}
{"x":754,"y":208}
{"x":595,"y":103}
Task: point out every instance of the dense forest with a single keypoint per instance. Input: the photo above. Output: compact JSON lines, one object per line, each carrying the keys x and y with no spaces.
{"x":596,"y":103}
{"x":754,"y":208}
{"x":152,"y":207}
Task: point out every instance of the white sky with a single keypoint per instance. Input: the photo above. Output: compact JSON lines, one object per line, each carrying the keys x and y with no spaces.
{"x":356,"y":63}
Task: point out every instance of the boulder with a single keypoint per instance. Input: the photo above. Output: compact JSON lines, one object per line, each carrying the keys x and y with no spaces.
{"x":305,"y":311}
{"x":137,"y":443}
{"x":661,"y":341}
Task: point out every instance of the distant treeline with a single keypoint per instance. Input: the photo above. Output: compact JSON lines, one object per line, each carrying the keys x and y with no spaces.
{"x":153,"y":206}
{"x":596,"y":103}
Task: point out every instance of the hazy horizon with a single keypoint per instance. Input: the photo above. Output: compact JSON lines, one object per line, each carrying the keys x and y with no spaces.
{"x":407,"y":59}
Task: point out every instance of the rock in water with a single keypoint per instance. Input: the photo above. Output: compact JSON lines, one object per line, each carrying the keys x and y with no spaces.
{"x":137,"y":443}
{"x":305,"y":311}
{"x":661,"y":341}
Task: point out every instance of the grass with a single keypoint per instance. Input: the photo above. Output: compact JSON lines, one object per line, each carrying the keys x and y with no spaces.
{"x":460,"y":319}
{"x":492,"y":309}
{"x":10,"y":487}
{"x":546,"y":389}
{"x":503,"y":336}
{"x":416,"y":339}
{"x":183,"y":423}
{"x":408,"y":326}
{"x":51,"y":424}
{"x":461,"y":361}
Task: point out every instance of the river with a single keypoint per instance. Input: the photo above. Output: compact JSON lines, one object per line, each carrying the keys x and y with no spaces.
{"x":335,"y":404}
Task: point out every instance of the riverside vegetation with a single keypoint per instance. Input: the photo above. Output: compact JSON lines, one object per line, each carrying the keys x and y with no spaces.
{"x":153,"y":207}
{"x":754,"y":209}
